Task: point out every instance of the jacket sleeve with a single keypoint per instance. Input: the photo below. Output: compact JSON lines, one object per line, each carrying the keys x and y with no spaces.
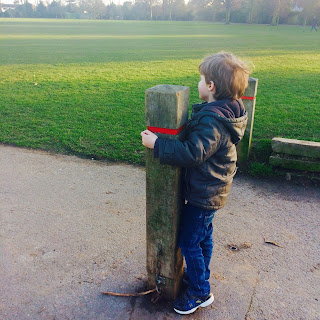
{"x":201,"y":143}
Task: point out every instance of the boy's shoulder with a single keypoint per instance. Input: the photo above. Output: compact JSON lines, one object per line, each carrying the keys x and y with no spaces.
{"x":224,"y":117}
{"x":221,"y":109}
{"x":206,"y":118}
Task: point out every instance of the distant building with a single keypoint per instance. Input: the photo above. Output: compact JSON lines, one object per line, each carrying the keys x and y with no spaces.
{"x":4,"y":7}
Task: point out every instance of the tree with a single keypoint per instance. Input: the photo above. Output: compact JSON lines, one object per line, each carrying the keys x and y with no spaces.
{"x":216,"y":6}
{"x":198,"y":9}
{"x":229,"y":5}
{"x":179,"y":11}
{"x":279,"y":8}
{"x":24,"y":10}
{"x":167,"y":8}
{"x":55,"y":10}
{"x":96,"y":8}
{"x":256,"y":7}
{"x":311,"y":8}
{"x":127,"y":11}
{"x":41,"y":10}
{"x":276,"y":13}
{"x":71,"y":4}
{"x":140,"y":10}
{"x":113,"y":11}
{"x":253,"y":9}
{"x":151,"y":4}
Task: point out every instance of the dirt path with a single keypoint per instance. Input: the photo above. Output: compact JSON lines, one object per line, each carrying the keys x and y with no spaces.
{"x":71,"y":228}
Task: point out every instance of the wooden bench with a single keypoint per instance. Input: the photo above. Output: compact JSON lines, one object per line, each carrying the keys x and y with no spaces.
{"x":295,"y":154}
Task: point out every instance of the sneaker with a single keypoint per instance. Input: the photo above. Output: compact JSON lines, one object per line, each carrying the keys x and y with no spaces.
{"x":188,"y":304}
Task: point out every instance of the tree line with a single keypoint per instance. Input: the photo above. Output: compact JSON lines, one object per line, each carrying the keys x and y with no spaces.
{"x":236,"y":11}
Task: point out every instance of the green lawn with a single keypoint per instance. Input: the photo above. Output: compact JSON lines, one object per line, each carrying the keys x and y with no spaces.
{"x":77,"y":86}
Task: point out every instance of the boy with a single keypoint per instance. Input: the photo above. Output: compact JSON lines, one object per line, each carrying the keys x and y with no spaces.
{"x":208,"y":157}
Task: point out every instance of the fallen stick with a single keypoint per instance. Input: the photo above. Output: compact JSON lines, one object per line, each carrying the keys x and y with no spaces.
{"x":129,"y":294}
{"x":273,"y":242}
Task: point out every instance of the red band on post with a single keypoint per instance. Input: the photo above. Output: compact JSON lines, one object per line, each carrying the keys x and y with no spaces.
{"x":172,"y":132}
{"x":248,"y":98}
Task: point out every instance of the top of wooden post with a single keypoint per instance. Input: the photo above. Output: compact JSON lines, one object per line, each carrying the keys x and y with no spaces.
{"x":251,"y":90}
{"x":167,"y":106}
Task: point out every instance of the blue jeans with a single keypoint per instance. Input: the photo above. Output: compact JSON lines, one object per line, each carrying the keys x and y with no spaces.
{"x":195,"y":241}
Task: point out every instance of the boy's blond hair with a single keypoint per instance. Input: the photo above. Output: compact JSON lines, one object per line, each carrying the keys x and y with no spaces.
{"x":229,"y":74}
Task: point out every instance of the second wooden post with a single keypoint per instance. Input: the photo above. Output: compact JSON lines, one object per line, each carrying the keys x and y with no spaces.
{"x":249,"y":101}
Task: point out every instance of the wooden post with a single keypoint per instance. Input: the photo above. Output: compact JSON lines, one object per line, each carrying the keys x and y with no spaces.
{"x":166,"y":107}
{"x":249,"y":101}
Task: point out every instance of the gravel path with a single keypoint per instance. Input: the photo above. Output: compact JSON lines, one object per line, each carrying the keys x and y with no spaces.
{"x":70,"y":228}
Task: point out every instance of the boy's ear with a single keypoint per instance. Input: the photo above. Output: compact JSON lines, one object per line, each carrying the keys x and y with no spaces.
{"x":211,"y":86}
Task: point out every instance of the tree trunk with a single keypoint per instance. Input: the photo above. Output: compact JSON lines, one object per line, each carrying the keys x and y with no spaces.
{"x":304,"y":20}
{"x":250,"y":18}
{"x":276,"y":14}
{"x":228,"y":11}
{"x":214,"y":15}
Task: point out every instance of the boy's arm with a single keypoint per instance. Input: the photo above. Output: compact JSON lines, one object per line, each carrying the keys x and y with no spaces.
{"x":202,"y":143}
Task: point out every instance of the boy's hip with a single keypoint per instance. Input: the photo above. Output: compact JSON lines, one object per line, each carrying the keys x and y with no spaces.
{"x":213,"y":199}
{"x":195,"y":224}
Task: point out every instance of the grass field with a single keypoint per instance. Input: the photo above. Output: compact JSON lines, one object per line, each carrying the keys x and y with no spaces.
{"x":76,"y":86}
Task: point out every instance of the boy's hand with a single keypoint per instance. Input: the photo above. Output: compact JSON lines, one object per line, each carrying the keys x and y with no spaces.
{"x":148,"y":139}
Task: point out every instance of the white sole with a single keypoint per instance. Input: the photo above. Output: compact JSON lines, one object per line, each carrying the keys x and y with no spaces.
{"x":202,"y":305}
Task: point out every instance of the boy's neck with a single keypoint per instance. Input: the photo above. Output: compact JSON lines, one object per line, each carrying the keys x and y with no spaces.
{"x":211,"y":99}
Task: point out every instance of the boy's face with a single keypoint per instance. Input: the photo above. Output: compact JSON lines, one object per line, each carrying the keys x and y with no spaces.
{"x":206,"y":90}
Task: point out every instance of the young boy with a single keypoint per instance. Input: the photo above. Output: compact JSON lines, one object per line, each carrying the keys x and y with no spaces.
{"x":208,"y":157}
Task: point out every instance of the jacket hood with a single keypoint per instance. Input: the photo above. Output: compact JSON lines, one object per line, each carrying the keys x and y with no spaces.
{"x":231,"y":113}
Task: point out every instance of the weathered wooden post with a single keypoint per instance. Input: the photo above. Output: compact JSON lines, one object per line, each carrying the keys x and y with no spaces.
{"x":249,"y":101}
{"x":166,"y":115}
